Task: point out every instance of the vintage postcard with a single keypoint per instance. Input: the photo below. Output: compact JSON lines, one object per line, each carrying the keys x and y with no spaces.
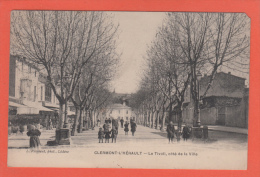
{"x":143,"y":90}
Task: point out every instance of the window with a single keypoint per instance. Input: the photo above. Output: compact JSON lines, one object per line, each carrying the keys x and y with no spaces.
{"x":30,"y":69}
{"x":119,"y":111}
{"x":111,"y":112}
{"x":22,"y":66}
{"x":47,"y":93}
{"x":35,"y":73}
{"x":126,"y":111}
{"x":41,"y":92}
{"x":34,"y":99}
{"x":126,"y":118}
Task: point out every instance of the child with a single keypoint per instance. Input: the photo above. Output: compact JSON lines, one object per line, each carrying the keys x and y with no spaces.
{"x":100,"y":135}
{"x":170,"y":131}
{"x":114,"y":133}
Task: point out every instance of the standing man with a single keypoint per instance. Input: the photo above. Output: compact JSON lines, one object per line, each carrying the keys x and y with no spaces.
{"x":122,"y":122}
{"x":185,"y":132}
{"x":133,"y":128}
{"x":170,"y":131}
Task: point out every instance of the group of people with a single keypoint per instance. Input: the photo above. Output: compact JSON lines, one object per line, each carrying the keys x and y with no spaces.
{"x":106,"y":132}
{"x":171,"y":132}
{"x":133,"y":127}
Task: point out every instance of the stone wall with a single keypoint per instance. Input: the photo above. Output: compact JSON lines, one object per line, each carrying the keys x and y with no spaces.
{"x":208,"y":116}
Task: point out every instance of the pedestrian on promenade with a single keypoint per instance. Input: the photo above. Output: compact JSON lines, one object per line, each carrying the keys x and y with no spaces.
{"x":178,"y":134}
{"x":185,"y":132}
{"x":106,"y":120}
{"x":34,"y":137}
{"x":107,"y":131}
{"x":131,"y":121}
{"x":170,"y":131}
{"x":205,"y":133}
{"x":109,"y":120}
{"x":100,"y":135}
{"x":133,"y":128}
{"x":98,"y":122}
{"x":107,"y":136}
{"x":122,"y":122}
{"x":114,"y":134}
{"x":115,"y":123}
{"x":126,"y":128}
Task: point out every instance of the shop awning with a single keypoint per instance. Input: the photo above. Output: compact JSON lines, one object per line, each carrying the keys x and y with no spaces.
{"x":17,"y":105}
{"x":53,"y":109}
{"x":41,"y":108}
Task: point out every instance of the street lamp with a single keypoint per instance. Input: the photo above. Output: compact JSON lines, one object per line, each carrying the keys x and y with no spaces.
{"x":199,"y":75}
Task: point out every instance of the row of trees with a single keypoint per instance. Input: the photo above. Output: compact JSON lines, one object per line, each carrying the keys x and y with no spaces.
{"x":186,"y":46}
{"x":75,"y":49}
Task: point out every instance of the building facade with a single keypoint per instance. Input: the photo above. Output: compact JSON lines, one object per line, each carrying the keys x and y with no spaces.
{"x":226,"y":102}
{"x":30,"y":97}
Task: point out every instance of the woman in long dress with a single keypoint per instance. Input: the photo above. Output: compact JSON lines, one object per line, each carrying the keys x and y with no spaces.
{"x":34,"y":137}
{"x":126,"y":128}
{"x":133,"y":128}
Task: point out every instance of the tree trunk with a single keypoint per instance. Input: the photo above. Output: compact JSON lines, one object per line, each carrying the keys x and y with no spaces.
{"x":61,"y":115}
{"x":158,"y":119}
{"x":89,"y":119}
{"x":179,"y":117}
{"x":80,"y":120}
{"x":149,"y":118}
{"x":170,"y":113}
{"x":92,"y":119}
{"x":196,"y":116}
{"x":163,"y":120}
{"x":153,"y":119}
{"x":75,"y":124}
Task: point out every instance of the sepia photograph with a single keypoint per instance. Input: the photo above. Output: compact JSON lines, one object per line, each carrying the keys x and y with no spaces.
{"x":121,"y":89}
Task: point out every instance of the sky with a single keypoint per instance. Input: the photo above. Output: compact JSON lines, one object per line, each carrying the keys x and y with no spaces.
{"x":136,"y":31}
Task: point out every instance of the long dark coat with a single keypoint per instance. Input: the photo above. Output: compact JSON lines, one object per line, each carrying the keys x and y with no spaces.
{"x":106,"y":127}
{"x":100,"y":134}
{"x":107,"y":134}
{"x":185,"y":132}
{"x":133,"y":127}
{"x":115,"y":123}
{"x":126,"y":127}
{"x":34,"y":138}
{"x":114,"y":133}
{"x":170,"y":131}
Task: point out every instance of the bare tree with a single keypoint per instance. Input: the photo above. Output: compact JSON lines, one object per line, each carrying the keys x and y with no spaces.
{"x":61,"y":43}
{"x":192,"y":43}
